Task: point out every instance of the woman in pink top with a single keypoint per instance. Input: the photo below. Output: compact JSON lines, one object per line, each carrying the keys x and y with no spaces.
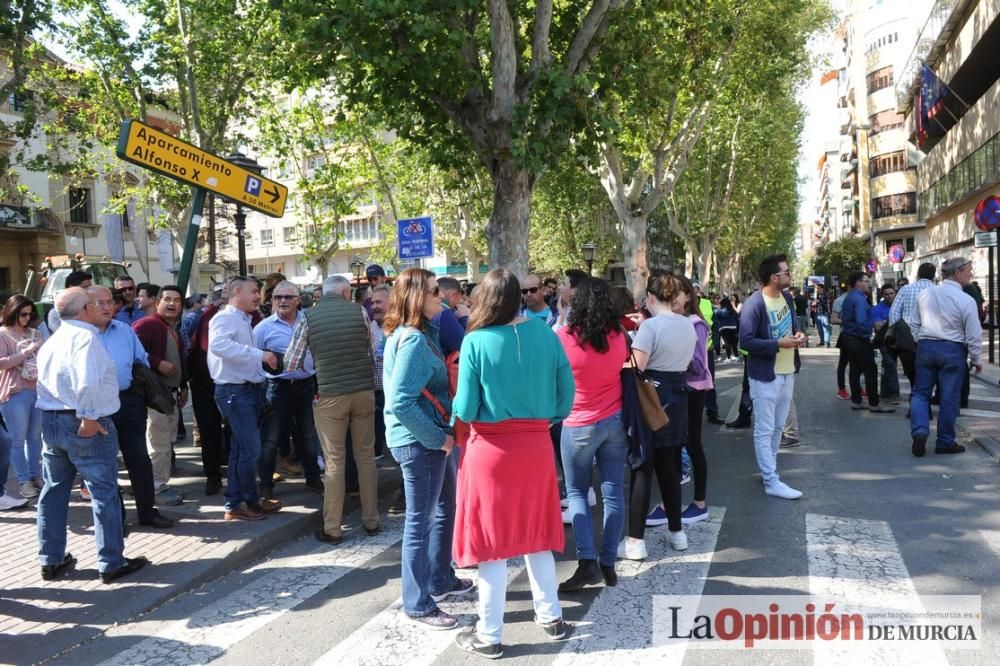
{"x":19,"y":344}
{"x":596,"y":348}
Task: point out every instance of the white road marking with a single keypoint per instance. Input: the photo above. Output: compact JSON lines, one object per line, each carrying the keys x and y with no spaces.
{"x":207,"y":634}
{"x":858,"y":561}
{"x":992,"y":538}
{"x":618,"y":625}
{"x":981,"y":413}
{"x":390,"y":638}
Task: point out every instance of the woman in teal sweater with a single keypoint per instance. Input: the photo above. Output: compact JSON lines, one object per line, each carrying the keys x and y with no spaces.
{"x":421,"y":441}
{"x":513,"y":380}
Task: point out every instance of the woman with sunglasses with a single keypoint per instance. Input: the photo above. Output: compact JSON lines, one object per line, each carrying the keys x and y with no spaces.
{"x":513,"y":380}
{"x":419,"y":437}
{"x":19,"y":345}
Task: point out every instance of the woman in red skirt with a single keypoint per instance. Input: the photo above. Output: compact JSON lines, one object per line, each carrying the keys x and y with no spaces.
{"x":513,"y":380}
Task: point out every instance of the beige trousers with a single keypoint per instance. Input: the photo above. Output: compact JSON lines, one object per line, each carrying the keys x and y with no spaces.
{"x":334,"y":414}
{"x":161,"y":433}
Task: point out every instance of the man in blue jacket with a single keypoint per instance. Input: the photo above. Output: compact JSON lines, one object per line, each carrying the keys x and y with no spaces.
{"x":856,"y":338}
{"x":769,"y":334}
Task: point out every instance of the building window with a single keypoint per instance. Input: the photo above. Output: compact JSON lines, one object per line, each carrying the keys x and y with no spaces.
{"x":879,"y":79}
{"x":15,"y":103}
{"x":288,"y":236}
{"x":885,"y":120}
{"x":248,"y":240}
{"x":894,"y":204}
{"x":79,"y":205}
{"x":888,"y":163}
{"x":968,"y":176}
{"x":224,"y":242}
{"x":909,"y":245}
{"x":266,"y":237}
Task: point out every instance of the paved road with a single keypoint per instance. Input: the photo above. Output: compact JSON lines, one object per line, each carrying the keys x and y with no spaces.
{"x":874,"y":523}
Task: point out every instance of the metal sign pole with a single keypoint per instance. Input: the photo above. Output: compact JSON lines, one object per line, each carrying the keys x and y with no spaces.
{"x":191,"y":242}
{"x":993,"y":309}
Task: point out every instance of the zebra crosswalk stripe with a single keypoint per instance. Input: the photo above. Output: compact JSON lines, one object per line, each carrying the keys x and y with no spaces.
{"x":211,"y":631}
{"x":390,"y":638}
{"x":858,"y":561}
{"x":617,"y":627}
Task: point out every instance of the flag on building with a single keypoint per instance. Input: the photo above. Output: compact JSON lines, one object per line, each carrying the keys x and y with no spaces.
{"x":932,"y":92}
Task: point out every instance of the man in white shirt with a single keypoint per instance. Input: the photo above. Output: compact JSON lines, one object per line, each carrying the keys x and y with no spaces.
{"x":948,"y":334}
{"x":78,"y":393}
{"x":237,"y":368}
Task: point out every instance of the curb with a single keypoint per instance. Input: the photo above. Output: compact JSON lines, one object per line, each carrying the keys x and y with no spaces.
{"x":253,"y":550}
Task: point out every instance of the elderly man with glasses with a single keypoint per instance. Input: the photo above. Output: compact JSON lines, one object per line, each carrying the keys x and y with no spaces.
{"x":948,"y":334}
{"x":288,"y":392}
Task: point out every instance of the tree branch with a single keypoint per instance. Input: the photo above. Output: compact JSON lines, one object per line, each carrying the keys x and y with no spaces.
{"x":592,"y":28}
{"x":503,"y":62}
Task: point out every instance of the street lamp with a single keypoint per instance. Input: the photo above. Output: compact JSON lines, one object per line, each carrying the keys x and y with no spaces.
{"x":83,"y":238}
{"x":588,"y":256}
{"x":358,"y":268}
{"x":249,"y":163}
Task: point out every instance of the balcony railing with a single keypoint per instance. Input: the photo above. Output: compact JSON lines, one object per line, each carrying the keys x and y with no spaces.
{"x":941,"y":21}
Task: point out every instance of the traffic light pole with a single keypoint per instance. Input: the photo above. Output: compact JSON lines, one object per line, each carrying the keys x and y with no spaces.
{"x":191,"y":242}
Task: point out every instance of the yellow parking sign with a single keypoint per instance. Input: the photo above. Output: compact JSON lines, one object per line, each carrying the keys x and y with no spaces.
{"x":158,"y":151}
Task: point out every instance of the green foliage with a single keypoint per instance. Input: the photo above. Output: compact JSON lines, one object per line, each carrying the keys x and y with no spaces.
{"x":841,"y":257}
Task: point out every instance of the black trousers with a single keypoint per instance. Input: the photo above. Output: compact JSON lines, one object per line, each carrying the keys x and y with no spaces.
{"x":861,"y":356}
{"x":699,"y":464}
{"x":130,"y":421}
{"x":842,"y":361}
{"x":711,"y":399}
{"x":209,"y":419}
{"x":746,"y":404}
{"x":665,"y":463}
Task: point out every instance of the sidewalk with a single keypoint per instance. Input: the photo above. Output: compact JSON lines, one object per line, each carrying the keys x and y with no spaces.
{"x":39,"y":619}
{"x":984,"y":431}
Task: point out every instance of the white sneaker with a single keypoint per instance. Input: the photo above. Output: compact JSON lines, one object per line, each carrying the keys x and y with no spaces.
{"x":27,"y":489}
{"x":7,"y":502}
{"x":678,"y":540}
{"x":632,"y":549}
{"x":779,"y":489}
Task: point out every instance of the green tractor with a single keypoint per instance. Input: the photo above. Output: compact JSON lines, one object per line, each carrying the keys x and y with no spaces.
{"x":42,"y":286}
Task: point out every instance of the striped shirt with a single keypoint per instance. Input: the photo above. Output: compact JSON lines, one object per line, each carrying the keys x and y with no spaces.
{"x":75,"y":372}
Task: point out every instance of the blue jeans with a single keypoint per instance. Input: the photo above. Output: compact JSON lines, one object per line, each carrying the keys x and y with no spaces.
{"x":771,"y":401}
{"x":605,"y":441}
{"x":429,"y":479}
{"x":96,"y":459}
{"x":4,"y":459}
{"x":825,"y":330}
{"x":291,"y":413}
{"x":241,"y":405}
{"x":938,"y":362}
{"x":890,"y":374}
{"x":24,"y":424}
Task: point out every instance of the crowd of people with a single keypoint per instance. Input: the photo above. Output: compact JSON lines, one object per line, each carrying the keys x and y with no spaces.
{"x":483,"y":396}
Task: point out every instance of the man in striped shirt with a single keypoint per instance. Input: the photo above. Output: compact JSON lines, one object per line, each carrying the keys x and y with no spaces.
{"x":905,"y":307}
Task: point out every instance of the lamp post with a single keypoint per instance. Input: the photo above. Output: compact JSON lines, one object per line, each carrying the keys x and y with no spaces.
{"x":357,"y":267}
{"x":83,"y":237}
{"x":240,"y":218}
{"x":588,"y":256}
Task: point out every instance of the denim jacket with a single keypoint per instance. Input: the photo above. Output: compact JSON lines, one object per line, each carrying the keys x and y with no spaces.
{"x":413,"y":361}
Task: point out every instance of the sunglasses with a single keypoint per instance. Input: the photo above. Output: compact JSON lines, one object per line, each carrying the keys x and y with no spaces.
{"x":529,"y":290}
{"x":26,"y":313}
{"x":436,"y":291}
{"x":127,"y":289}
{"x":283,"y":297}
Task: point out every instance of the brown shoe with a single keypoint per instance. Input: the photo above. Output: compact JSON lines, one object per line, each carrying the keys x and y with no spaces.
{"x":244,"y":512}
{"x":266,"y":505}
{"x":289,"y":467}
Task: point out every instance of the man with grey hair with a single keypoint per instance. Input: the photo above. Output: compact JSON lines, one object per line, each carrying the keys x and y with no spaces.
{"x":948,"y":334}
{"x":289,"y":393}
{"x":78,"y":393}
{"x":337,"y":333}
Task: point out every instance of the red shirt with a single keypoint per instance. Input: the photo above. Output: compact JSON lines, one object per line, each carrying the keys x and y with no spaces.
{"x":597,"y":376}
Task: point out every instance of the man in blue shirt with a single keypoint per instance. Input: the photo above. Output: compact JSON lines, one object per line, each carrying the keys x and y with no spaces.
{"x":880,"y":323}
{"x":125,"y":350}
{"x":856,"y":338}
{"x":290,"y":394}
